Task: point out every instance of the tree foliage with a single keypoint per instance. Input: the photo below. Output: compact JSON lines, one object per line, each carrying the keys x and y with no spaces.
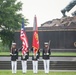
{"x":10,"y":19}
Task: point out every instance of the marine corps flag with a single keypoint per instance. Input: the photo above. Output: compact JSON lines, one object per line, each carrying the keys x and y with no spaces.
{"x":23,"y":38}
{"x":35,"y":43}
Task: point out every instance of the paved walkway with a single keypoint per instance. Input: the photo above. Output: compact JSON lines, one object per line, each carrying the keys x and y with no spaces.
{"x":51,"y":59}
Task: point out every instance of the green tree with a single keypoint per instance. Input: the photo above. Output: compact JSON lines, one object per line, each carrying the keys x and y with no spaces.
{"x":10,"y":20}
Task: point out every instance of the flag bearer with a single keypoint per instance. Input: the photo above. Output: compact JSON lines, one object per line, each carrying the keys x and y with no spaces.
{"x":35,"y":45}
{"x":35,"y":58}
{"x":24,"y":58}
{"x":46,"y":57}
{"x":14,"y":57}
{"x":24,"y":40}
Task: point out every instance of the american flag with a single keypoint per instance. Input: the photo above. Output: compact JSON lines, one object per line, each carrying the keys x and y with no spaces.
{"x":23,"y":38}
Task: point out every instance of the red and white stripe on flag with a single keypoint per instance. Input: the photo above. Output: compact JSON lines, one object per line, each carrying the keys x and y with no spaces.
{"x":24,"y":40}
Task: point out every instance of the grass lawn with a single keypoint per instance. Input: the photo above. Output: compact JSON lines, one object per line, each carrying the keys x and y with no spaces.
{"x":52,"y":54}
{"x":8,"y":72}
{"x":63,"y":53}
{"x":4,"y":53}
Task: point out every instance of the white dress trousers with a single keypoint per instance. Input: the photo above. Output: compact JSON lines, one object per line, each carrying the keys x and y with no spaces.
{"x":46,"y":66}
{"x":24,"y":66}
{"x":14,"y":66}
{"x":35,"y":66}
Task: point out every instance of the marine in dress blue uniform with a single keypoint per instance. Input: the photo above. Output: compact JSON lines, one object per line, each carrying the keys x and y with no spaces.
{"x":24,"y":61}
{"x":46,"y":57}
{"x":35,"y":58}
{"x":14,"y":57}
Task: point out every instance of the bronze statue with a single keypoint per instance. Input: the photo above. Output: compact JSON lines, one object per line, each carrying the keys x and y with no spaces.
{"x":68,"y":8}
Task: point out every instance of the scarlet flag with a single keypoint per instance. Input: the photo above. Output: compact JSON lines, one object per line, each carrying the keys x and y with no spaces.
{"x":35,"y":43}
{"x":23,"y":38}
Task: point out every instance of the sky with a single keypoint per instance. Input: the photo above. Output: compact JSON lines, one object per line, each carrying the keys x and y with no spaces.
{"x":45,"y":10}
